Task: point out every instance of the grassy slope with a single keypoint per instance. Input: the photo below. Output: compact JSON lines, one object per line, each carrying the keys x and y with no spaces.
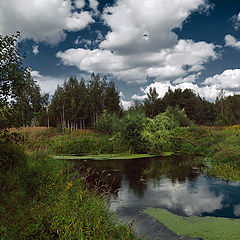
{"x":221,"y":151}
{"x":77,"y":142}
{"x":207,"y":228}
{"x":42,"y":198}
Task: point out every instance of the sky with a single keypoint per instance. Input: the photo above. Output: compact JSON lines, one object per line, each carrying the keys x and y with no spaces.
{"x":138,"y":44}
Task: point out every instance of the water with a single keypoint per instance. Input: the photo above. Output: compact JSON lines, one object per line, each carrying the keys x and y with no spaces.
{"x":173,"y":183}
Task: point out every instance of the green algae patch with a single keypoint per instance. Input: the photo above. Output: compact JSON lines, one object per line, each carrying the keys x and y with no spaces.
{"x":167,"y":154}
{"x":103,"y":157}
{"x":207,"y":228}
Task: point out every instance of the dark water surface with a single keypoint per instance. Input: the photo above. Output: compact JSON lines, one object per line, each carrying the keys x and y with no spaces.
{"x":173,"y":183}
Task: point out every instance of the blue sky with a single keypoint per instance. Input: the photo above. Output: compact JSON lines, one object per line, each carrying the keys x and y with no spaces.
{"x":138,"y":44}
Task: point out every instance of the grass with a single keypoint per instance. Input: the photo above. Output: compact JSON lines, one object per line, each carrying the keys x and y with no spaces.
{"x":207,"y":228}
{"x":42,"y":198}
{"x":221,"y":151}
{"x":76,"y":142}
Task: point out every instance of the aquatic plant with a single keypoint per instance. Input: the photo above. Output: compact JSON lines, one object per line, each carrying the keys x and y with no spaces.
{"x":206,"y":228}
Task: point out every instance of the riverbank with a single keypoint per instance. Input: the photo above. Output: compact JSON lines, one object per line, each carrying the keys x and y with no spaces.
{"x":221,"y":152}
{"x":216,"y":147}
{"x":42,"y":198}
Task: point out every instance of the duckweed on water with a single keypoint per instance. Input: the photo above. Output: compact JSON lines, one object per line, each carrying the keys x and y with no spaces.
{"x":207,"y":228}
{"x":103,"y":157}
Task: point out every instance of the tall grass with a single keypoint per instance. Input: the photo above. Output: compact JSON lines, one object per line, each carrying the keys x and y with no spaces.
{"x":222,"y":149}
{"x":76,"y":142}
{"x":48,"y":199}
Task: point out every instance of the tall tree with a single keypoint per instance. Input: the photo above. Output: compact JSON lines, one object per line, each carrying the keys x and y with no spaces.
{"x":57,"y":107}
{"x":152,"y":103}
{"x":96,"y":88}
{"x":83,"y":103}
{"x":112,"y":99}
{"x":13,"y":79}
{"x":32,"y":103}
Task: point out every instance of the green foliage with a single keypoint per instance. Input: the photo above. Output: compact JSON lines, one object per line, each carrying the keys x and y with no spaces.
{"x":108,"y":123}
{"x":221,"y":147}
{"x":11,"y":156}
{"x":31,"y":104}
{"x":152,"y":103}
{"x":131,"y":129}
{"x":157,"y":133}
{"x":220,"y":121}
{"x":179,"y":116}
{"x":197,"y":109}
{"x":12,"y":81}
{"x":76,"y":104}
{"x":72,"y":142}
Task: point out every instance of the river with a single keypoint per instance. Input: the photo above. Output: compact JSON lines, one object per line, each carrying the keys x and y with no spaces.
{"x":174,"y":183}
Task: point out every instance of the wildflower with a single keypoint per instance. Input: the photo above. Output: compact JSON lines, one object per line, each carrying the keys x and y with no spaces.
{"x":69,"y":185}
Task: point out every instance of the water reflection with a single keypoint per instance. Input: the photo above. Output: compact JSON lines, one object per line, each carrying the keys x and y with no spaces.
{"x":174,"y":183}
{"x":179,"y":197}
{"x":237,"y":209}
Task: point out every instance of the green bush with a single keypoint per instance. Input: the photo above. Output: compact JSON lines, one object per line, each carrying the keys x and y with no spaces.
{"x":131,"y":128}
{"x":179,"y":116}
{"x":107,"y":123}
{"x":157,"y":133}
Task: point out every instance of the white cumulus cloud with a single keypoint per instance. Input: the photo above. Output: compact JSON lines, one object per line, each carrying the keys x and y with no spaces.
{"x":231,"y":41}
{"x":47,"y":84}
{"x":44,"y":20}
{"x":167,"y":64}
{"x":97,"y":60}
{"x":147,"y":26}
{"x":80,"y":3}
{"x":229,"y":79}
{"x":94,"y":5}
{"x":141,"y":43}
{"x":236,"y":21}
{"x":126,"y":104}
{"x":164,"y":65}
{"x":35,"y":49}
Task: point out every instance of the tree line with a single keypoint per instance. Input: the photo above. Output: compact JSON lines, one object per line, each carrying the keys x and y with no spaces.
{"x":224,"y":111}
{"x":79,"y":104}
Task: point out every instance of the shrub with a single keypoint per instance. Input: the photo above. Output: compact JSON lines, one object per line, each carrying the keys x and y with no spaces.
{"x":179,"y":116}
{"x":157,"y":134}
{"x":107,"y":123}
{"x":131,"y":128}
